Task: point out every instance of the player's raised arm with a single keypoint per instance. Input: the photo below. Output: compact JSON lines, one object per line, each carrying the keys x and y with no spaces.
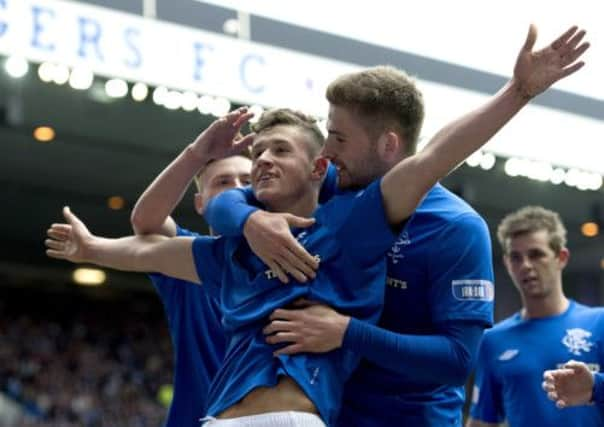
{"x":535,"y":71}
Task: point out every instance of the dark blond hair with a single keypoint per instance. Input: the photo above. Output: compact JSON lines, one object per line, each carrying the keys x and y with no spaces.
{"x":287,"y":117}
{"x":530,"y":219}
{"x":383,"y":97}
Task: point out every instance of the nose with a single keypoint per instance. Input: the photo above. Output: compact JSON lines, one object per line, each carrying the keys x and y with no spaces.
{"x":525,"y":263}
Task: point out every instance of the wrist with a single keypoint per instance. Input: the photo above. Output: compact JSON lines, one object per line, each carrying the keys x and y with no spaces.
{"x":200,"y":158}
{"x":520,"y":90}
{"x":342,"y":323}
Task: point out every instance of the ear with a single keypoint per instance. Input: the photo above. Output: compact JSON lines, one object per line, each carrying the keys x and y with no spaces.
{"x":320,"y":165}
{"x":563,"y":257}
{"x":199,"y":203}
{"x":506,"y":262}
{"x":389,"y":146}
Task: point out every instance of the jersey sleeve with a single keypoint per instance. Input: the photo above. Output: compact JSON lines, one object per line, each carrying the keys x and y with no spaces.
{"x":461,"y":273}
{"x":598,"y":389}
{"x":487,"y":402}
{"x":227,"y":212}
{"x":165,"y":285}
{"x":365,"y":227}
{"x":209,"y":255}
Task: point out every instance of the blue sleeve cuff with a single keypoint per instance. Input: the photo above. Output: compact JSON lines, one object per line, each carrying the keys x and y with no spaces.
{"x":353,"y":335}
{"x":598,"y":389}
{"x":227,"y":213}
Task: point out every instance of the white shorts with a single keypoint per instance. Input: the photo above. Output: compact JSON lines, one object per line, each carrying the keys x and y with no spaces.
{"x":270,"y":419}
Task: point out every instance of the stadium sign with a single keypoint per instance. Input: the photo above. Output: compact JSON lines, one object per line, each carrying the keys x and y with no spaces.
{"x":116,"y":44}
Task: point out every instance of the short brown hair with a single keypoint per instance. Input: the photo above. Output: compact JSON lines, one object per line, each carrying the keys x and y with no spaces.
{"x":530,"y":219}
{"x":384,"y":97}
{"x":287,"y":117}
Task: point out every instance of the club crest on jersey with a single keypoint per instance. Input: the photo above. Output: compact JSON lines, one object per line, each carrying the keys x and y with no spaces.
{"x":577,"y":341}
{"x":395,"y":252}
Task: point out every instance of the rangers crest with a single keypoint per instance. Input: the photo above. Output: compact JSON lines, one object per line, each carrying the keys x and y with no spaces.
{"x":576,"y":340}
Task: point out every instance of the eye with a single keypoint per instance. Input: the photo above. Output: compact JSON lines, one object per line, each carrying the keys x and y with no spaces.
{"x":246,"y":181}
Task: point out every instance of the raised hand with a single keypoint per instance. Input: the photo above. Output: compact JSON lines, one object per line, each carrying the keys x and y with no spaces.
{"x":68,"y":241}
{"x":535,"y":71}
{"x":222,"y":138}
{"x":570,"y":385}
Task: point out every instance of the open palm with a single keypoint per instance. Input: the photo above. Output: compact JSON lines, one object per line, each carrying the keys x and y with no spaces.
{"x":68,"y":241}
{"x":538,"y":70}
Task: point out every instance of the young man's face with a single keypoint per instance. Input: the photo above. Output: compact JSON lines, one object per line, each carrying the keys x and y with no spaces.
{"x":281,"y":166}
{"x":221,"y":175}
{"x":535,"y":268}
{"x":351,"y":150}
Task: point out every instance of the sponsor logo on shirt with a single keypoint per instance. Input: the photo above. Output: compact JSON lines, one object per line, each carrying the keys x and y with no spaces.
{"x":577,"y":340}
{"x":396,"y":283}
{"x":509,"y":354}
{"x":473,"y":290}
{"x":395,"y":252}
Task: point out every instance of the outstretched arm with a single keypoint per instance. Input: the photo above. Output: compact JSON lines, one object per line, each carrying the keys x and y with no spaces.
{"x":534,"y":72}
{"x":573,"y":385}
{"x":152,"y":253}
{"x":151,"y":214}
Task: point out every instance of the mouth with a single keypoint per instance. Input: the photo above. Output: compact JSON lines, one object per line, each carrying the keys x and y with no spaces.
{"x":265,"y":178}
{"x":530,"y":281}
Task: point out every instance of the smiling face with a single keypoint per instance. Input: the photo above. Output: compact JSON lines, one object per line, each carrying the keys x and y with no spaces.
{"x":535,"y":268}
{"x":284,"y":172}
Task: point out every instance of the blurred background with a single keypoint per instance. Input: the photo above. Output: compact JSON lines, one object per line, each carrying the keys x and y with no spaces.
{"x":97,"y":97}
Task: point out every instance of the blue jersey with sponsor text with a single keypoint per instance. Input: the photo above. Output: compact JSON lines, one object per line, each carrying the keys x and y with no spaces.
{"x":198,"y":344}
{"x":439,"y":270}
{"x":351,"y":236}
{"x":513,"y":356}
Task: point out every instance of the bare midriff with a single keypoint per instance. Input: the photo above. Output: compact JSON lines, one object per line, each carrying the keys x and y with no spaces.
{"x":285,"y":396}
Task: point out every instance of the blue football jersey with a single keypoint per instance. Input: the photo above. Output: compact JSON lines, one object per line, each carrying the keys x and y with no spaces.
{"x":439,"y":270}
{"x":350,"y":238}
{"x":198,"y":343}
{"x":513,"y":356}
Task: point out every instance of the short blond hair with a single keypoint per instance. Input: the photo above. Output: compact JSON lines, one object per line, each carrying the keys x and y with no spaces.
{"x":383,"y":97}
{"x":530,"y":219}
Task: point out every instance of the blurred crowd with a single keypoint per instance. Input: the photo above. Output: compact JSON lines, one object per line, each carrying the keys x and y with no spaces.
{"x":75,"y":361}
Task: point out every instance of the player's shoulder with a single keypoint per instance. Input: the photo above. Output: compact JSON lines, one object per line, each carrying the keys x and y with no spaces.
{"x":585,"y":311}
{"x":503,"y":327}
{"x":442,"y":208}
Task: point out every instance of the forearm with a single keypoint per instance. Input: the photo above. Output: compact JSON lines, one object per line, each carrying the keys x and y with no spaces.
{"x":440,"y":359}
{"x":145,"y":253}
{"x":152,"y":211}
{"x":227,"y":212}
{"x":132,"y":253}
{"x":450,"y":146}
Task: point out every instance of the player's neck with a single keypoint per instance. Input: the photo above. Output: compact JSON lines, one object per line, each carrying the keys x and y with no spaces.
{"x":300,"y":205}
{"x":544,"y":307}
